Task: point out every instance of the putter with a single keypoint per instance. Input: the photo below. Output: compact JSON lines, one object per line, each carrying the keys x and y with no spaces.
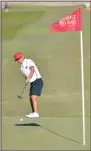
{"x":20,"y":96}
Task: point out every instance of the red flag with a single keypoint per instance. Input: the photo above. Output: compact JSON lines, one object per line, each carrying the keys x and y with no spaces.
{"x":70,"y":23}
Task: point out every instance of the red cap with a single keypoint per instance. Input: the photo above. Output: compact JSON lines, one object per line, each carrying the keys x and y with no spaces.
{"x":18,"y":56}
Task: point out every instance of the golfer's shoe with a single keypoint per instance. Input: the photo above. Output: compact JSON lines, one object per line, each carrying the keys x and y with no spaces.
{"x":35,"y":115}
{"x":32,"y":115}
{"x":29,"y":115}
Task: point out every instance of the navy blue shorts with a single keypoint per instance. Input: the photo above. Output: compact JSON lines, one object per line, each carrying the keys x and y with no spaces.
{"x":36,"y":87}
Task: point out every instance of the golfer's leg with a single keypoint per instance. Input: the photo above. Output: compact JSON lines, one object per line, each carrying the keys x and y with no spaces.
{"x":30,"y":98}
{"x":31,"y":102}
{"x":35,"y":103}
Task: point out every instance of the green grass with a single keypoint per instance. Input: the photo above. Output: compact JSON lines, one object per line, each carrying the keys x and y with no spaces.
{"x":45,"y":133}
{"x":57,"y":56}
{"x":14,"y":21}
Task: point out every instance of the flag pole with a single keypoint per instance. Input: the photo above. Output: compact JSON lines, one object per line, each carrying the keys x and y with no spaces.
{"x":82,"y":84}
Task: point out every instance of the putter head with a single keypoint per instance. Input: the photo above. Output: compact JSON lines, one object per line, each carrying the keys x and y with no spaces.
{"x":19,"y":97}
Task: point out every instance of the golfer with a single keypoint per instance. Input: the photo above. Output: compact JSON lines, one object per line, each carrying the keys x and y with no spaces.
{"x":32,"y":76}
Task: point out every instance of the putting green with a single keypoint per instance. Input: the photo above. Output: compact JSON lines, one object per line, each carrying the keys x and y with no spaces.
{"x":57,"y":56}
{"x":44,"y":134}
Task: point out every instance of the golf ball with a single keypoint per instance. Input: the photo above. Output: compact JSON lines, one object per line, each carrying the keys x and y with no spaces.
{"x":21,"y":119}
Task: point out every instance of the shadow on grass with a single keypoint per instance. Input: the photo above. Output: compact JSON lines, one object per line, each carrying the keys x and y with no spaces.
{"x":36,"y":125}
{"x":27,"y":124}
{"x":60,"y":135}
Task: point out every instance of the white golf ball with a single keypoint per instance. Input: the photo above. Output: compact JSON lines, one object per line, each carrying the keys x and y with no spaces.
{"x":21,"y":119}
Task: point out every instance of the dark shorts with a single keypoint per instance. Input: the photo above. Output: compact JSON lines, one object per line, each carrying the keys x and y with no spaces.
{"x":36,"y":87}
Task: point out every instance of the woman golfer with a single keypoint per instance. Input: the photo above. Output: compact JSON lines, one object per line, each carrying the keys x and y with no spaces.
{"x":32,"y":75}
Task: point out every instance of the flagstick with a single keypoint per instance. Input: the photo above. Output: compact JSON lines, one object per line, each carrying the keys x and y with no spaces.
{"x":82,"y":83}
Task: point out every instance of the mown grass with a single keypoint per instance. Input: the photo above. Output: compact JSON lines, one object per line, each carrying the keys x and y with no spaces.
{"x":12,"y":22}
{"x":56,"y":55}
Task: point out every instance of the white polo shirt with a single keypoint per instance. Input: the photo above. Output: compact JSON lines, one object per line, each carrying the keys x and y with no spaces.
{"x":25,"y":68}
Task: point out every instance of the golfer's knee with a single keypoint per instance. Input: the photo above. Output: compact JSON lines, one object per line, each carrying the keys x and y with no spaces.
{"x":33,"y":98}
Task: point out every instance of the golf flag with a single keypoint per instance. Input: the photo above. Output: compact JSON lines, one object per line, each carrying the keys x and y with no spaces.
{"x":73,"y":23}
{"x":70,"y":23}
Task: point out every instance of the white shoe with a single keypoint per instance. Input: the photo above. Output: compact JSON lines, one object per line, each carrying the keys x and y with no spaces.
{"x":32,"y":115}
{"x":29,"y":115}
{"x":35,"y":115}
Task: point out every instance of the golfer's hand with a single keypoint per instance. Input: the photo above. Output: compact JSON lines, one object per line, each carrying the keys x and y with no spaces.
{"x":27,"y":79}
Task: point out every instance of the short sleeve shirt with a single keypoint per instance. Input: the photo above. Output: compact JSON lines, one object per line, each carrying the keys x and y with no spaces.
{"x":25,"y":68}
